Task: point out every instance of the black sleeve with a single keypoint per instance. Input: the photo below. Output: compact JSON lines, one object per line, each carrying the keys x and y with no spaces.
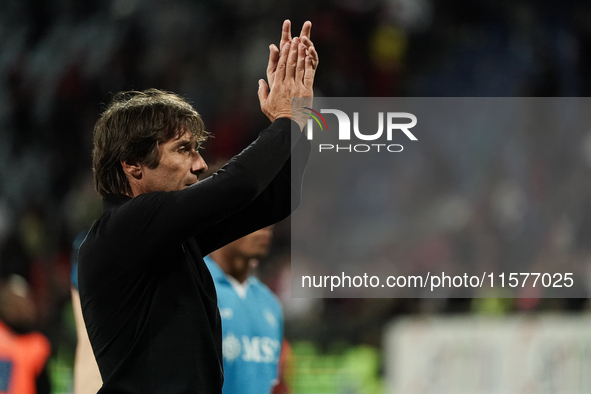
{"x":275,"y":203}
{"x":152,"y":221}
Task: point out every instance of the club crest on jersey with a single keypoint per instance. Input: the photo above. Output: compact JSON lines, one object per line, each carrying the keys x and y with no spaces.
{"x":231,"y":347}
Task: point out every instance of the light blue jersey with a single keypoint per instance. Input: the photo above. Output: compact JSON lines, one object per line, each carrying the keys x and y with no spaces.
{"x":252,"y":332}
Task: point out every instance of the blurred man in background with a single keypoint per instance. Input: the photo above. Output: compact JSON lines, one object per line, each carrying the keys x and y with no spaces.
{"x":252,"y":317}
{"x":23,"y":353}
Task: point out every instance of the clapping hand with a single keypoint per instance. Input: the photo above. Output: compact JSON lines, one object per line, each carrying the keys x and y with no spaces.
{"x":290,"y":73}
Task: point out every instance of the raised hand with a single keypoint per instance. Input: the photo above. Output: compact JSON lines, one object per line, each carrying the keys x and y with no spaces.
{"x":293,"y":77}
{"x":285,"y":38}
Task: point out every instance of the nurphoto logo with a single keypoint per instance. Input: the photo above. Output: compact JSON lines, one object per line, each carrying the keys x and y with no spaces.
{"x":391,"y":119}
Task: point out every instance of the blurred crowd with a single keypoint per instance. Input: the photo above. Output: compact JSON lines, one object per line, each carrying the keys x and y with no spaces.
{"x":61,"y":61}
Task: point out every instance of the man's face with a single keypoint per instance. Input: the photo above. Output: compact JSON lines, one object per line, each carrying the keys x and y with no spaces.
{"x":179,"y":166}
{"x":238,"y":258}
{"x":254,"y":245}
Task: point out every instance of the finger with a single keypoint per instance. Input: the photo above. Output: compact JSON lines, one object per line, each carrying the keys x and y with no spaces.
{"x":292,"y":59}
{"x":301,"y":63}
{"x":309,"y":46}
{"x":309,"y":73}
{"x":307,"y":42}
{"x":311,"y":51}
{"x":306,"y":29}
{"x":272,"y":66}
{"x":263,"y":92}
{"x":285,"y":33}
{"x":280,"y":70}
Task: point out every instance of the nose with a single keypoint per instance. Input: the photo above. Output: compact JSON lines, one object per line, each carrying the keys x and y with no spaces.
{"x":199,"y":165}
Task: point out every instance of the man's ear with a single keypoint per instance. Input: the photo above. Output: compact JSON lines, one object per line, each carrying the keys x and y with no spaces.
{"x":132,"y":169}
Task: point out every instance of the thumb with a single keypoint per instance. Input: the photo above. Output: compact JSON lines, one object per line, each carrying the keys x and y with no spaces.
{"x":263,"y":92}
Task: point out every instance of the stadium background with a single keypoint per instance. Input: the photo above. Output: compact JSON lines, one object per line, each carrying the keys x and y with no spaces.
{"x":61,"y":60}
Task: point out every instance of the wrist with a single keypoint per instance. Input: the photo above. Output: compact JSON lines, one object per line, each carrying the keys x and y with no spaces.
{"x":282,"y":114}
